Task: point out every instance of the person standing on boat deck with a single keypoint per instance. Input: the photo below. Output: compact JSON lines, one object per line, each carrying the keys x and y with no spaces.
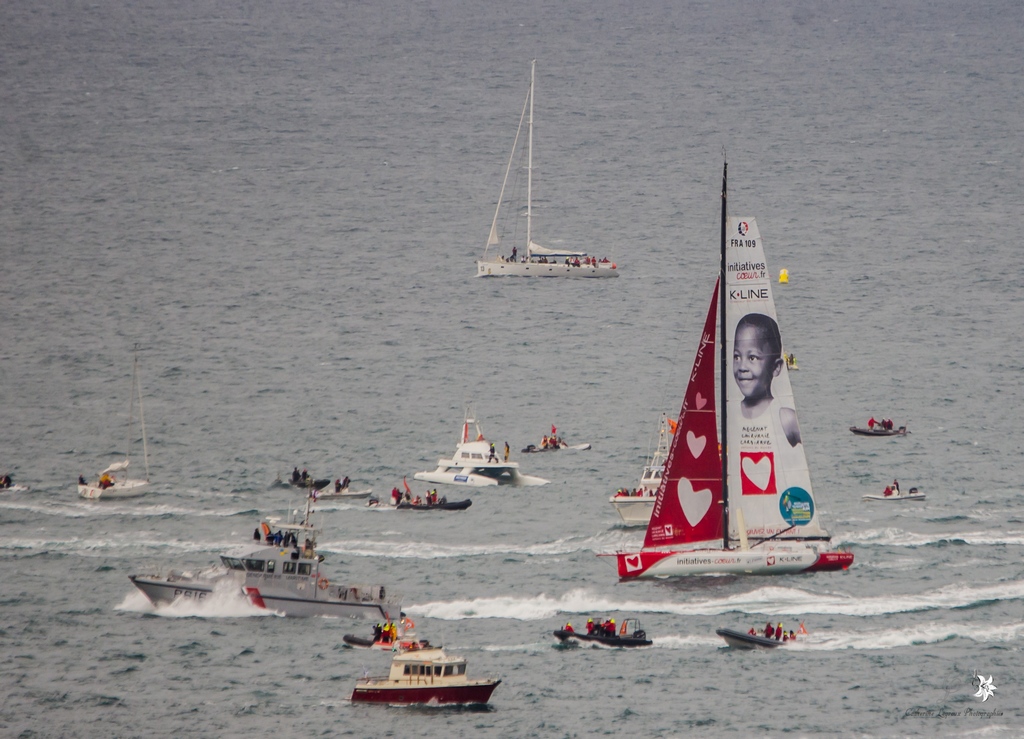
{"x":769,"y":631}
{"x":506,"y":451}
{"x":569,"y":628}
{"x":256,"y":534}
{"x":895,"y":487}
{"x":872,"y":422}
{"x":337,"y":485}
{"x":81,"y":480}
{"x":778,"y":632}
{"x":590,"y":626}
{"x":493,"y":457}
{"x":296,"y":477}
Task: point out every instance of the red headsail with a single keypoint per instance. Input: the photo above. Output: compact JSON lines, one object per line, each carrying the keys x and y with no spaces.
{"x":689,"y":504}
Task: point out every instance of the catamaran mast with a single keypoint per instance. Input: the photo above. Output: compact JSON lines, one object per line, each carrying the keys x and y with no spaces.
{"x":529,"y":167}
{"x":724,"y":372}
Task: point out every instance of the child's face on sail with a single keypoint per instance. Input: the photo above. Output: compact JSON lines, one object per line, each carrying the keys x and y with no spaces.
{"x":752,"y":366}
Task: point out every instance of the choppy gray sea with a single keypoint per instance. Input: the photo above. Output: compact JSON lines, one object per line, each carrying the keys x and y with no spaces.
{"x":281,"y":206}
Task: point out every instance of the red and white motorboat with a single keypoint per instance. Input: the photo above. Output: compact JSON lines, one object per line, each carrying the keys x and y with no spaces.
{"x":425,"y":676}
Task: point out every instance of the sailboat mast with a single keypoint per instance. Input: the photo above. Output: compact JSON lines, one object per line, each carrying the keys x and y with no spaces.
{"x":724,"y":372}
{"x":529,"y":166}
{"x":142,"y":414}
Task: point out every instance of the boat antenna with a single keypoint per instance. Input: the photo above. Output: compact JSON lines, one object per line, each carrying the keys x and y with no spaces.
{"x":724,"y":367}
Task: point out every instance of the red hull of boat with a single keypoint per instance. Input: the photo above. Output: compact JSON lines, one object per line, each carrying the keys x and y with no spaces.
{"x":829,"y":561}
{"x":427,"y":694}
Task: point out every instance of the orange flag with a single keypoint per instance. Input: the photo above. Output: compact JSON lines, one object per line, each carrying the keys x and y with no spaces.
{"x":672,"y":425}
{"x":802,"y":629}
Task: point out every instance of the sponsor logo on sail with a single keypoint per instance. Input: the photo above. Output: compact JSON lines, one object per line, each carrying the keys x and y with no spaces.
{"x":796,"y":506}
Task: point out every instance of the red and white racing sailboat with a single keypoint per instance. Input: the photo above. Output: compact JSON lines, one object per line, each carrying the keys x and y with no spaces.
{"x":745,"y":506}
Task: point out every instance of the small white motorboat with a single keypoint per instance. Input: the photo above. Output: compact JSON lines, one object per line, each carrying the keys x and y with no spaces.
{"x":912,"y":494}
{"x":477,"y":464}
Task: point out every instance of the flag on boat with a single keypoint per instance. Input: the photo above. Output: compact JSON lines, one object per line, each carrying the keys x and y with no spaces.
{"x":802,"y":629}
{"x":553,"y":430}
{"x":672,"y":425}
{"x":406,"y":483}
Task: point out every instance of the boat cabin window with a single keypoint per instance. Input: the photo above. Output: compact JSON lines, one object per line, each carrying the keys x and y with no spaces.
{"x":437,"y":670}
{"x":270,"y":565}
{"x":235,"y":564}
{"x":460,"y":669}
{"x":448,"y":669}
{"x":305,"y":568}
{"x":254,"y":565}
{"x":288,"y":568}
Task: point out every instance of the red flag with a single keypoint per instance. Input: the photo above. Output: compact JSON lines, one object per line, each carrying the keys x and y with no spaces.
{"x":553,"y":430}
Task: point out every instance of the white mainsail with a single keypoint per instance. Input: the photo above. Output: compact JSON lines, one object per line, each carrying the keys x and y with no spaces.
{"x":768,"y":476}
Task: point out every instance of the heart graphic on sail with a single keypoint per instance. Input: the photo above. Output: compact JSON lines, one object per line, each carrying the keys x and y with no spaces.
{"x":759,"y":473}
{"x":700,"y":401}
{"x":695,"y":503}
{"x":632,"y":563}
{"x":696,"y":443}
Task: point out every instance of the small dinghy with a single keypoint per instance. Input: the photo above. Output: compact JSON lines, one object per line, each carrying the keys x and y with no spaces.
{"x":912,"y":494}
{"x":740,"y":640}
{"x":879,"y":431}
{"x":452,"y":505}
{"x":629,"y":635}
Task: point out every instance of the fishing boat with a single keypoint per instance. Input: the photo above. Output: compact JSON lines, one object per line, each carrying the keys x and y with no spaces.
{"x":748,"y":509}
{"x":280,"y":570}
{"x":425,"y":676}
{"x":742,"y":640}
{"x":537,"y":261}
{"x":476,"y":464}
{"x":635,"y":506}
{"x":879,"y":431}
{"x":113,"y":482}
{"x":896,"y":497}
{"x":631,"y":634}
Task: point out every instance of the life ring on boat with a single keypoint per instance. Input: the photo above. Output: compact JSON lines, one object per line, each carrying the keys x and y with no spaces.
{"x":323,"y":583}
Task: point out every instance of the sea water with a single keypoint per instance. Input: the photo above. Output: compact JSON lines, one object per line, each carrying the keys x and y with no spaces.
{"x":281,"y":206}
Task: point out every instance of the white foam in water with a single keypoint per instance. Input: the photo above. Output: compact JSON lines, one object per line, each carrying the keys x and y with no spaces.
{"x":899,"y":538}
{"x":221,"y":603}
{"x":772,"y":600}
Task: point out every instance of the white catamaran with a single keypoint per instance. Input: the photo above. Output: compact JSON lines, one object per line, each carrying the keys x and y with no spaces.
{"x":748,"y":509}
{"x":538,"y":261}
{"x":113,"y":482}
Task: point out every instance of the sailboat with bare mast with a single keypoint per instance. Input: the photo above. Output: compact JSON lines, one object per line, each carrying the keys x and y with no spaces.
{"x":537,"y":261}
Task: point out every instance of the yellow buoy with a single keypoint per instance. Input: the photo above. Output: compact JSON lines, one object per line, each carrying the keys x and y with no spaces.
{"x":783,"y":276}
